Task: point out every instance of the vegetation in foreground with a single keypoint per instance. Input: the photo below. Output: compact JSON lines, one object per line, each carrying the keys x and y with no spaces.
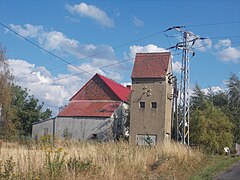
{"x":91,"y":160}
{"x":215,"y":165}
{"x":80,"y":160}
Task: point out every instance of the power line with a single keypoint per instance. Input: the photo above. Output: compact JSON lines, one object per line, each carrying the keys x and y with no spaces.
{"x":33,"y":43}
{"x":218,"y":37}
{"x":93,"y":55}
{"x":102,"y":67}
{"x":213,"y":24}
{"x":115,"y":47}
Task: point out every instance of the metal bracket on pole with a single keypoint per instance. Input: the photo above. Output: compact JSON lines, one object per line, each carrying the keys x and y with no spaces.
{"x":183,"y":112}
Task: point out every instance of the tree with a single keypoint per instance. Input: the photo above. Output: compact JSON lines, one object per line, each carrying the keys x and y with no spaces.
{"x":234,"y":90}
{"x":233,"y":85}
{"x":7,"y":126}
{"x":210,"y":128}
{"x":28,"y":110}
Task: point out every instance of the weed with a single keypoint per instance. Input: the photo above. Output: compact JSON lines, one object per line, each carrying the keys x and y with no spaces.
{"x":46,"y":141}
{"x":78,"y":165}
{"x":7,"y":170}
{"x":55,"y":163}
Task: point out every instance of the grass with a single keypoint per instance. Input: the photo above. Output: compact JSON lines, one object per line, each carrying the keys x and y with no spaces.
{"x":104,"y":161}
{"x":215,"y":165}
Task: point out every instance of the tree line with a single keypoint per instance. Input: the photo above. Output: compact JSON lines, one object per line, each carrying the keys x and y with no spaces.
{"x":215,"y":117}
{"x":18,"y":109}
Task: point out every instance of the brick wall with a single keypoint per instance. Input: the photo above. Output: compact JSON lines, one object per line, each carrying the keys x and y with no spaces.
{"x":95,"y":89}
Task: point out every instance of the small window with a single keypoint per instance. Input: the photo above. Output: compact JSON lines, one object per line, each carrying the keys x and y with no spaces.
{"x":142,"y":105}
{"x":154,"y":105}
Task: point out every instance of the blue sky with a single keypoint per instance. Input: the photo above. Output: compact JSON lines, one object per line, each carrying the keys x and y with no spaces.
{"x":92,"y":34}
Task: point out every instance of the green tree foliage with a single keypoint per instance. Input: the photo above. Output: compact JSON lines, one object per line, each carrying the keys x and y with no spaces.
{"x":28,"y":110}
{"x":18,"y":109}
{"x":7,"y":126}
{"x":233,"y":85}
{"x":211,"y":128}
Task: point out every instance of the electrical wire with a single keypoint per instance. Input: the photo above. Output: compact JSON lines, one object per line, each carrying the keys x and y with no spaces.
{"x":90,"y":56}
{"x":102,"y":67}
{"x":213,"y":24}
{"x":116,"y":47}
{"x":50,"y":53}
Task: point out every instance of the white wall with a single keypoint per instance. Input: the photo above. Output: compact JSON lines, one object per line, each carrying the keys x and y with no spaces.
{"x":83,"y":128}
{"x":40,"y":128}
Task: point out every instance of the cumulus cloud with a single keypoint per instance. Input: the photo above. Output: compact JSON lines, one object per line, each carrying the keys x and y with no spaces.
{"x":153,"y":48}
{"x":55,"y":40}
{"x":55,"y":91}
{"x":203,"y":45}
{"x":224,"y":43}
{"x":226,"y":52}
{"x":43,"y":85}
{"x":92,"y":12}
{"x":176,"y":67}
{"x":27,"y":30}
{"x":145,"y":49}
{"x":214,"y":89}
{"x":61,"y":44}
{"x":137,"y":22}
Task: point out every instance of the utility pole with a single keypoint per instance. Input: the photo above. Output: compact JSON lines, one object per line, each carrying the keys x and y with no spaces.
{"x":182,"y":122}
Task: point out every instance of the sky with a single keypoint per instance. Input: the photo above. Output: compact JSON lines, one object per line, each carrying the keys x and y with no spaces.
{"x":61,"y":44}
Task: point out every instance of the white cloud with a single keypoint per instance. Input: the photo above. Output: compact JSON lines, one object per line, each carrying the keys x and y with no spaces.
{"x":203,"y":45}
{"x":41,"y":83}
{"x":87,"y":67}
{"x":62,"y":45}
{"x":230,"y":54}
{"x":176,"y":67}
{"x":55,"y":40}
{"x":224,"y":43}
{"x":226,"y":52}
{"x":91,"y":11}
{"x":54,"y":91}
{"x":27,"y":30}
{"x":214,"y":89}
{"x":126,"y":84}
{"x":116,"y":76}
{"x":137,"y":22}
{"x":145,"y":49}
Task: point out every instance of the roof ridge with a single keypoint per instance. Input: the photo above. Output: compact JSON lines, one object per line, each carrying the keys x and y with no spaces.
{"x":112,"y":80}
{"x":105,"y":79}
{"x":167,"y":52}
{"x":94,"y":101}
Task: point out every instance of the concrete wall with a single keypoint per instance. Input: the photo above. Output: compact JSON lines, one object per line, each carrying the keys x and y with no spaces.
{"x":42,"y":128}
{"x":149,"y":121}
{"x":83,"y":128}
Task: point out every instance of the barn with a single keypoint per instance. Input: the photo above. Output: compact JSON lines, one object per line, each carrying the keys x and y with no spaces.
{"x":97,"y":111}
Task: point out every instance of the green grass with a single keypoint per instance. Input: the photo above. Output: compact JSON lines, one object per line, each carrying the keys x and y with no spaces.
{"x":214,"y":165}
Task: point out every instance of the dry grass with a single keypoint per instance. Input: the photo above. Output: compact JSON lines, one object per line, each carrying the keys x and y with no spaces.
{"x":71,"y":160}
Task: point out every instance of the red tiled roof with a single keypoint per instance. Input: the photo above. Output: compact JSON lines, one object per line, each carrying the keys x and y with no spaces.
{"x":89,"y":109}
{"x":151,"y":65}
{"x":102,"y":88}
{"x":121,"y":91}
